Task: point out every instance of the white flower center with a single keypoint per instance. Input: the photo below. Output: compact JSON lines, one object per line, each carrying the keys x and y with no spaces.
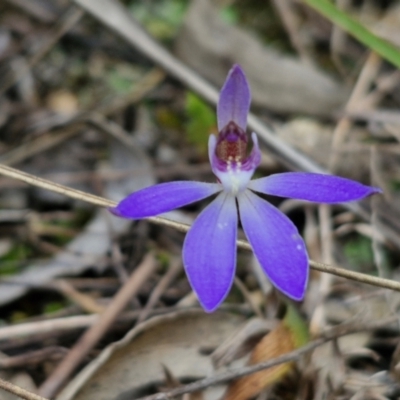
{"x":234,"y":180}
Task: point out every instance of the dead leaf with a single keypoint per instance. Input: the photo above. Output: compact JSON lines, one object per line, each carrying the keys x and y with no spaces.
{"x":290,"y":334}
{"x":131,"y":367}
{"x":239,"y":343}
{"x":273,"y":345}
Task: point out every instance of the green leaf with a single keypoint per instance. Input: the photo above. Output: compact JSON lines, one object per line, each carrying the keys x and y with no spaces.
{"x":201,"y":121}
{"x":53,"y":307}
{"x":11,"y":262}
{"x":385,"y":49}
{"x":359,"y":252}
{"x":229,"y":15}
{"x":162,"y":19}
{"x":119,"y":82}
{"x":296,"y":324}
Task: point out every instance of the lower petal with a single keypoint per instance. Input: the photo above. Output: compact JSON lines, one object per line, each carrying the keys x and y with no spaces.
{"x":276,"y":243}
{"x":209,"y":251}
{"x":319,"y":188}
{"x":158,"y":199}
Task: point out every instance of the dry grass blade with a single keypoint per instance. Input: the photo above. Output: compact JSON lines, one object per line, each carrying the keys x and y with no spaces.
{"x":244,"y":371}
{"x":90,"y":338}
{"x":71,"y":17}
{"x":21,"y":393}
{"x":102,"y":202}
{"x":174,"y":269}
{"x":32,"y":358}
{"x":75,"y":123}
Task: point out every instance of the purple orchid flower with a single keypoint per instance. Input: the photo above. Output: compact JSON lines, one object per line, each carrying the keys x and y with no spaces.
{"x":209,"y":250}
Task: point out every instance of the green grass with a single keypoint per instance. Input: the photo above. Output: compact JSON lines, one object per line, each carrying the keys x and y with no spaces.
{"x":382,"y":47}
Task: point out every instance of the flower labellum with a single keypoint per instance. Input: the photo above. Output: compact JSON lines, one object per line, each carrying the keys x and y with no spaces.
{"x":209,"y":250}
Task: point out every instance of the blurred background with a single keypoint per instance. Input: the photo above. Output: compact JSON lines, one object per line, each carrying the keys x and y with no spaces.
{"x":108,"y":97}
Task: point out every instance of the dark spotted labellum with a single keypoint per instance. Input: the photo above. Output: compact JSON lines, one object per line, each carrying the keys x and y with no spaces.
{"x":232,"y":143}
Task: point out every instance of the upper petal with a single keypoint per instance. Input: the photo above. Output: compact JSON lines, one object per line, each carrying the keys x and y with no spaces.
{"x":313,"y":187}
{"x":164,"y":197}
{"x":276,"y":243}
{"x":234,"y":99}
{"x":209,"y":251}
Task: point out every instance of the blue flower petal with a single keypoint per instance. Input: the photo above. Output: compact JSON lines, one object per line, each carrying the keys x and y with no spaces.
{"x":319,"y":188}
{"x":158,"y":199}
{"x":209,"y":251}
{"x":234,"y":99}
{"x":276,"y":243}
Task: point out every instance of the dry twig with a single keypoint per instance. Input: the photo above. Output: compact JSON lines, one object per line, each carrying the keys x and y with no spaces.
{"x":247,"y":370}
{"x":291,"y":23}
{"x":91,"y":337}
{"x":22,"y":393}
{"x":102,"y":202}
{"x":174,"y":269}
{"x":96,"y":117}
{"x":33,"y":357}
{"x":71,"y":18}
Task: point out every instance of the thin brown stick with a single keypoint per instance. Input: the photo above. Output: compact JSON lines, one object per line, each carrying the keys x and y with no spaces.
{"x":83,"y":300}
{"x":197,"y":171}
{"x":39,"y":327}
{"x":246,"y":294}
{"x":236,"y":373}
{"x":102,"y":202}
{"x":96,"y":117}
{"x":384,"y":85}
{"x":39,"y":144}
{"x":91,"y":337}
{"x":146,"y":84}
{"x":365,"y":78}
{"x":247,"y":370}
{"x":36,"y":10}
{"x":18,"y":391}
{"x":77,"y":194}
{"x":34,"y":357}
{"x":291,"y":22}
{"x":36,"y":328}
{"x":69,"y":19}
{"x":112,"y":129}
{"x":318,"y":318}
{"x":173,"y":271}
